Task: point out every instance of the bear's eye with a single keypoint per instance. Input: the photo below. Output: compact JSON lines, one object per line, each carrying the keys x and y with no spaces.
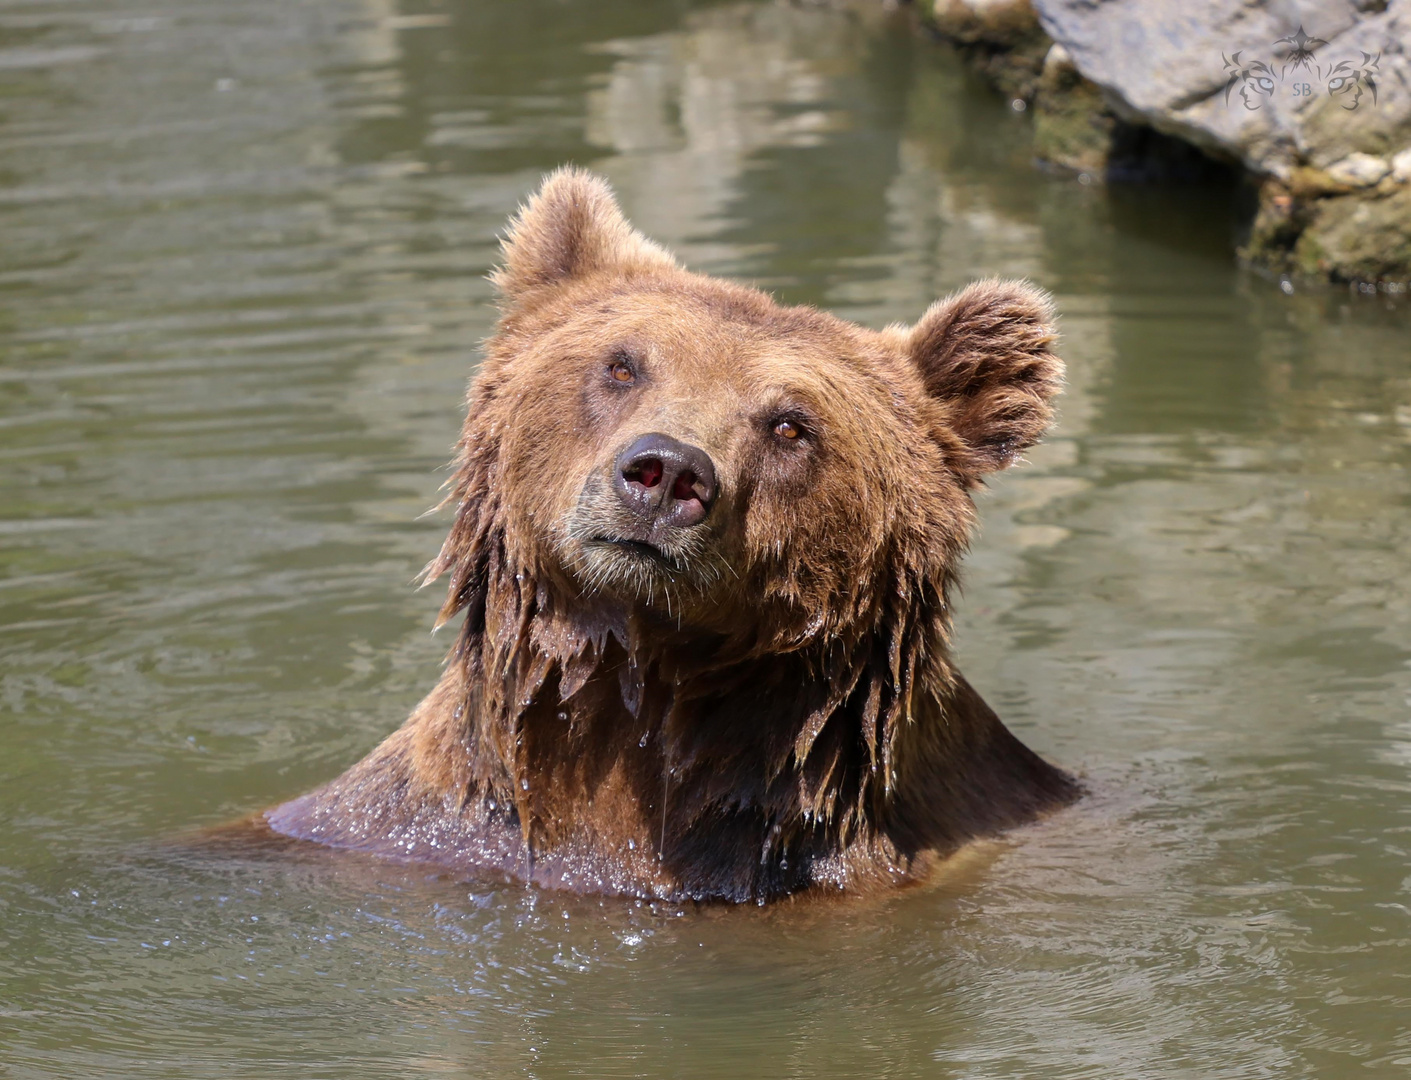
{"x":621,"y":371}
{"x":787,"y":429}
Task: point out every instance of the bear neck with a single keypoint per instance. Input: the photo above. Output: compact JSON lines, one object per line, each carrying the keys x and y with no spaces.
{"x":718,"y":771}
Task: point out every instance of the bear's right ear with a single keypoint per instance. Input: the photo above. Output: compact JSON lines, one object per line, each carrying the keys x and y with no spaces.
{"x":986,"y":354}
{"x":569,"y":228}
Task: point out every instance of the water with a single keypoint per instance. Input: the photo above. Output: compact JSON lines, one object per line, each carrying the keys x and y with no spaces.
{"x":242,"y":251}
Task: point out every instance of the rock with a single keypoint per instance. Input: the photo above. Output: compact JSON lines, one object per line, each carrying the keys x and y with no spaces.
{"x":998,"y":22}
{"x":1000,"y":37}
{"x":1310,"y":132}
{"x":1401,"y":167}
{"x":1072,"y":125}
{"x":1278,"y":224}
{"x":1359,"y":170}
{"x":1355,"y":239}
{"x":1165,"y":63}
{"x":1326,"y":135}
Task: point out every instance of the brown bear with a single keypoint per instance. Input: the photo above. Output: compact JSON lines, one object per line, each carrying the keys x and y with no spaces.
{"x":703,"y":548}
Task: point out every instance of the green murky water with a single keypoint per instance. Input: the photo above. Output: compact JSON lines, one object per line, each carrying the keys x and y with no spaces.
{"x":242,"y":250}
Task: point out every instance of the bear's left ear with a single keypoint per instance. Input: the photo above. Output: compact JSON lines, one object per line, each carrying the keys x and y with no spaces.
{"x":570,"y":228}
{"x":985,"y":353}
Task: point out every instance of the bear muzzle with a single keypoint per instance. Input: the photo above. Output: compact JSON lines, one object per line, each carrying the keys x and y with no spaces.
{"x":645,"y":525}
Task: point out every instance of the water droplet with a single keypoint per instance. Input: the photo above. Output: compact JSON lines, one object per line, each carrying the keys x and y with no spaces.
{"x":643,"y":740}
{"x":524,"y":783}
{"x":783,"y":864}
{"x":490,"y":803}
{"x":563,"y":716}
{"x":631,"y":845}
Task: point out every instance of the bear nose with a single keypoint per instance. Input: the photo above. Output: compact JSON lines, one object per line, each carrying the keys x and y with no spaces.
{"x":665,"y":481}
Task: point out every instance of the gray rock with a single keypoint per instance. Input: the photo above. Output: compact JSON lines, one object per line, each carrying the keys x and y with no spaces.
{"x":1401,"y":167}
{"x":1164,"y":63}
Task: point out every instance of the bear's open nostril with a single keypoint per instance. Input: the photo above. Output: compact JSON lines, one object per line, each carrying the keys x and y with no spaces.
{"x":685,"y":487}
{"x":646,"y":472}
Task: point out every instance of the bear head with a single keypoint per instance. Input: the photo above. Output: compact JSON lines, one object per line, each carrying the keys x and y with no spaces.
{"x":666,"y":449}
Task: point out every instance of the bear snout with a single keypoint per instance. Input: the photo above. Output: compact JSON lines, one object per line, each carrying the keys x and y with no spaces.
{"x":665,"y":482}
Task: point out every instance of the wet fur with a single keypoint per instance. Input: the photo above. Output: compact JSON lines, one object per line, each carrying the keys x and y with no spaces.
{"x":784,"y":716}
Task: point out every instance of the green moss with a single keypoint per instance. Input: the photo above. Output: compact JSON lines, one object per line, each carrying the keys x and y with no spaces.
{"x":1072,"y":124}
{"x":1278,"y":224}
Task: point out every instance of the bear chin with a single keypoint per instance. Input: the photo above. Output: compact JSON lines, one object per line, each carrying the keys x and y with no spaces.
{"x":702,"y":558}
{"x":640,"y":569}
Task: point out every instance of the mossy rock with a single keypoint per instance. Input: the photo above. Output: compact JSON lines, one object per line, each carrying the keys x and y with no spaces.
{"x":1007,"y":24}
{"x":1072,"y":124}
{"x":1002,"y":40}
{"x":1277,"y":226}
{"x":1357,"y":238}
